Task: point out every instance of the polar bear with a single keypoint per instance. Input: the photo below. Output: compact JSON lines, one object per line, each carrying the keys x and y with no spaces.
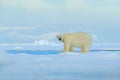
{"x":81,"y":40}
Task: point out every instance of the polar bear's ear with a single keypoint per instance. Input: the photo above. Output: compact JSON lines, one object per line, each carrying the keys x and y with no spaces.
{"x":58,"y":35}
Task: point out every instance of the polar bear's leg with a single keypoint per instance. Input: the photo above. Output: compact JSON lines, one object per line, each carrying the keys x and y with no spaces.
{"x":71,"y":49}
{"x":66,"y":47}
{"x":82,"y":50}
{"x":86,"y":48}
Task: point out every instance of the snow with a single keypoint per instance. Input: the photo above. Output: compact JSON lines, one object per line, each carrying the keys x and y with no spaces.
{"x":5,"y":58}
{"x":101,"y":65}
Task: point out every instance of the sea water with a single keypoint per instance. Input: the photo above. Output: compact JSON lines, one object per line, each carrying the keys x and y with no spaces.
{"x":49,"y":52}
{"x":34,"y":52}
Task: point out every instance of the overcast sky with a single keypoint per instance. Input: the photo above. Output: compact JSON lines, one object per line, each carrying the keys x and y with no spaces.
{"x":24,"y":21}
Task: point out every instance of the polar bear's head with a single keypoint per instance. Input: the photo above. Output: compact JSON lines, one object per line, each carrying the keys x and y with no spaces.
{"x":60,"y":37}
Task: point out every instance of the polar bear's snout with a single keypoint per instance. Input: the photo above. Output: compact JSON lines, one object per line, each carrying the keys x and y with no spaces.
{"x":59,"y":39}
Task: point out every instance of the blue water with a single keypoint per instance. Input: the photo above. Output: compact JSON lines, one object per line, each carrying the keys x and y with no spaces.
{"x":38,"y":52}
{"x":47,"y":52}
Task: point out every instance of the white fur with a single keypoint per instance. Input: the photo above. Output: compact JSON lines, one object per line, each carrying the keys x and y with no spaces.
{"x":80,"y":39}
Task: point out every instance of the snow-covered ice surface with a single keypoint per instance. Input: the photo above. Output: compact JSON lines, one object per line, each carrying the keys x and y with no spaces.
{"x":95,"y":65}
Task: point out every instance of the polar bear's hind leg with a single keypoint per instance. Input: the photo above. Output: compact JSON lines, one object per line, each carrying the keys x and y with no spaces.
{"x":87,"y":48}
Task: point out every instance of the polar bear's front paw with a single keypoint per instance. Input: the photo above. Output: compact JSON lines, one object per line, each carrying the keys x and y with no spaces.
{"x":64,"y":51}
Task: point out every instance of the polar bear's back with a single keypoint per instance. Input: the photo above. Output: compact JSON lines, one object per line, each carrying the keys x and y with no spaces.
{"x":81,"y":37}
{"x":78,"y":35}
